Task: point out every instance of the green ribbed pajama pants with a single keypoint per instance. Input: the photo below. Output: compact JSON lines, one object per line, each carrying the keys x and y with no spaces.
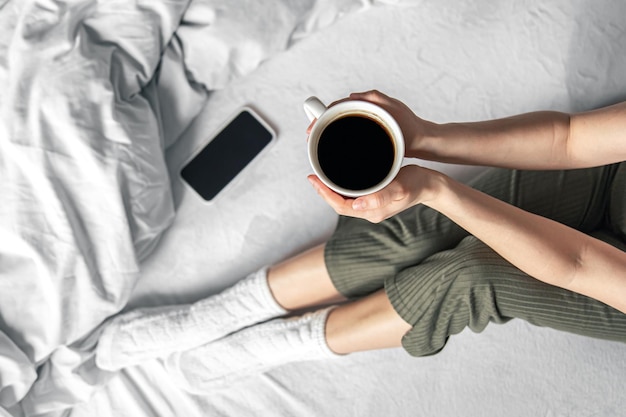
{"x":440,"y":279}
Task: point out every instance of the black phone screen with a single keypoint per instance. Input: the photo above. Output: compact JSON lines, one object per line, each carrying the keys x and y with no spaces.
{"x":226,"y":155}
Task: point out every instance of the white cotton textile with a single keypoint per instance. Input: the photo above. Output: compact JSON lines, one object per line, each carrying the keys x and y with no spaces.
{"x":251,"y":351}
{"x":240,"y":35}
{"x":450,"y":61}
{"x":150,"y":333}
{"x":92,"y":94}
{"x":16,"y":373}
{"x":85,"y":189}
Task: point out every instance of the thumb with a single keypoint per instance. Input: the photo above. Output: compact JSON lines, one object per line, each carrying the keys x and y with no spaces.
{"x":372,"y":201}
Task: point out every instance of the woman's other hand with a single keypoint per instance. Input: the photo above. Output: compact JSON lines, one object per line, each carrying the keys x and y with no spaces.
{"x":412,"y":185}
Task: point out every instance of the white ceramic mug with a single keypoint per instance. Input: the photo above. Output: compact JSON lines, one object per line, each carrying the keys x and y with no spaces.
{"x":325,"y":116}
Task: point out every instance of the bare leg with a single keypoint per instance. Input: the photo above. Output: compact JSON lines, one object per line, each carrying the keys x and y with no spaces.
{"x":300,"y":282}
{"x":366,"y":324}
{"x":303,"y":281}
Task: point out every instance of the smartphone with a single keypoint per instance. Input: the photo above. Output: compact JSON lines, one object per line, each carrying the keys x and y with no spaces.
{"x":227,"y":154}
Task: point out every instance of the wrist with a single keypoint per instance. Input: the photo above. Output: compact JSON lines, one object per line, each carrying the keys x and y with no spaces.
{"x":425,"y":144}
{"x":431,"y":184}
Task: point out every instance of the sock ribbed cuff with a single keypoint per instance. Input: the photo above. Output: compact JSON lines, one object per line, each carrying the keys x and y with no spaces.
{"x":265,"y":293}
{"x":319,"y":334}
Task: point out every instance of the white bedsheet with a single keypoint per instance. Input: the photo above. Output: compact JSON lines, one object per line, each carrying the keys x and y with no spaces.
{"x":93,"y":92}
{"x":87,"y":189}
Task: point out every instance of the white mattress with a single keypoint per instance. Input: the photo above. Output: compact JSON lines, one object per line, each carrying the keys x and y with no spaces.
{"x":449,"y":61}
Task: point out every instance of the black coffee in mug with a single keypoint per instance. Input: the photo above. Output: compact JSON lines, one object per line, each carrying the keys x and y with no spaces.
{"x":355,"y":152}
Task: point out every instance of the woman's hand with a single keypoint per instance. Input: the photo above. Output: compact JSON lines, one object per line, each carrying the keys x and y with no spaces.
{"x":412,"y":185}
{"x":414,"y":129}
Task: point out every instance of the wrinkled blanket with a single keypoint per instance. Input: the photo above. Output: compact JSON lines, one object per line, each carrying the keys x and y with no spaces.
{"x":91,"y":93}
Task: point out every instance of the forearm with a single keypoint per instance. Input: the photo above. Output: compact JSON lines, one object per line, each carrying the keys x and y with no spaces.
{"x":529,"y":141}
{"x":542,"y":248}
{"x":537,"y":140}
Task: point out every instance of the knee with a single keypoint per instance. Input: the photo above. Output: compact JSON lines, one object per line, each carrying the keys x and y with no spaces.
{"x":478,"y":277}
{"x":469,"y":286}
{"x":451,"y":291}
{"x":472,"y":263}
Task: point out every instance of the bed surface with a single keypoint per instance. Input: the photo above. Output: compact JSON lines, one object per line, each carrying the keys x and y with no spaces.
{"x":449,"y":61}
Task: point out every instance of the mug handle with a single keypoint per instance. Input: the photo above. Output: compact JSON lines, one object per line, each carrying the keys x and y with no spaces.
{"x":313,"y":108}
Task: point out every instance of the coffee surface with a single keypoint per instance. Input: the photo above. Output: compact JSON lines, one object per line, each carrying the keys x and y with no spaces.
{"x":355,"y":152}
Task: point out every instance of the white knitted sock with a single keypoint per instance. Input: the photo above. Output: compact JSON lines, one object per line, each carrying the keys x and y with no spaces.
{"x":157,"y":332}
{"x":250,"y":351}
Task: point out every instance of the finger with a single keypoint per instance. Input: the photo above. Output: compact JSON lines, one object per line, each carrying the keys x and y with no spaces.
{"x":340,"y":204}
{"x":308,"y":129}
{"x":373,"y":96}
{"x":379,"y":199}
{"x":372,"y":201}
{"x":363,"y":94}
{"x":339,"y":101}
